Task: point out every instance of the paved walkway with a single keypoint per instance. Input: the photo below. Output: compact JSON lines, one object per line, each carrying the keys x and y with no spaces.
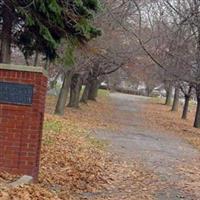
{"x":160,"y":152}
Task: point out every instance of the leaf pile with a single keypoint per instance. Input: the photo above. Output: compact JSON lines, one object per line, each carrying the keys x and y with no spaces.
{"x":70,"y":163}
{"x":70,"y":157}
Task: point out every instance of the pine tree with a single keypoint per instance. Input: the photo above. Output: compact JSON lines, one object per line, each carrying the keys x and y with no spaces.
{"x":40,"y":25}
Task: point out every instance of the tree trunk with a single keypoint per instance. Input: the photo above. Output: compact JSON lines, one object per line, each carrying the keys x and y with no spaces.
{"x":26,"y":60}
{"x":93,"y":91}
{"x":169,"y":95}
{"x":197,"y":117}
{"x":62,"y":99}
{"x":75,"y":90}
{"x":176,"y":99}
{"x":36,"y":58}
{"x":53,"y":82}
{"x":149,"y":91}
{"x":6,"y":33}
{"x":85,"y":94}
{"x":185,"y":107}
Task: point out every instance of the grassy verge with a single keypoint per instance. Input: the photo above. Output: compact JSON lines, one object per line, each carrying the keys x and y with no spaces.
{"x":103,"y":93}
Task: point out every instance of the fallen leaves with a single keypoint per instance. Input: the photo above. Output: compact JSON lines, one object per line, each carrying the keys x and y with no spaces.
{"x":74,"y":164}
{"x":191,"y":181}
{"x":94,"y":115}
{"x":159,"y":116}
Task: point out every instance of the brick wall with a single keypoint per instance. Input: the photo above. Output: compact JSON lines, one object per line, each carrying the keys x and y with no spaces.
{"x":21,"y":126}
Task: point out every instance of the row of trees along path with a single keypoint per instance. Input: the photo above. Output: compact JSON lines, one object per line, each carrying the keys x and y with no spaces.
{"x":168,"y":32}
{"x":162,"y":35}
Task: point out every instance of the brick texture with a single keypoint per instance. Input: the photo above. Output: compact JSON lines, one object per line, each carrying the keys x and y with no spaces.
{"x":21,"y":126}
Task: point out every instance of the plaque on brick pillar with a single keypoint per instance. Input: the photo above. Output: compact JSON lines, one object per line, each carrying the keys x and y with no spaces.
{"x":22,"y":100}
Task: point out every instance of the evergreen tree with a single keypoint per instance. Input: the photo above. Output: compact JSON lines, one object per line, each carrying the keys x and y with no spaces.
{"x":40,"y":25}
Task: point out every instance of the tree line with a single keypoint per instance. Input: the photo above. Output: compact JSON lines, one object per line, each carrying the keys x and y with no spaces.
{"x":168,"y":32}
{"x":60,"y":35}
{"x":84,"y":41}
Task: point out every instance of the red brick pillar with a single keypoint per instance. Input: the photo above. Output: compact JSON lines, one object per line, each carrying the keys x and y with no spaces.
{"x":22,"y":100}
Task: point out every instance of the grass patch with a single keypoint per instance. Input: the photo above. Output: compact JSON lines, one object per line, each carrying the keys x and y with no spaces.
{"x":99,"y":144}
{"x":158,"y":100}
{"x":53,"y":126}
{"x":103,"y":93}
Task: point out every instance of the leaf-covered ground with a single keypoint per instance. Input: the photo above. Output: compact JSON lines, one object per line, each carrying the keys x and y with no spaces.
{"x":75,"y":165}
{"x":160,"y":117}
{"x":157,"y":115}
